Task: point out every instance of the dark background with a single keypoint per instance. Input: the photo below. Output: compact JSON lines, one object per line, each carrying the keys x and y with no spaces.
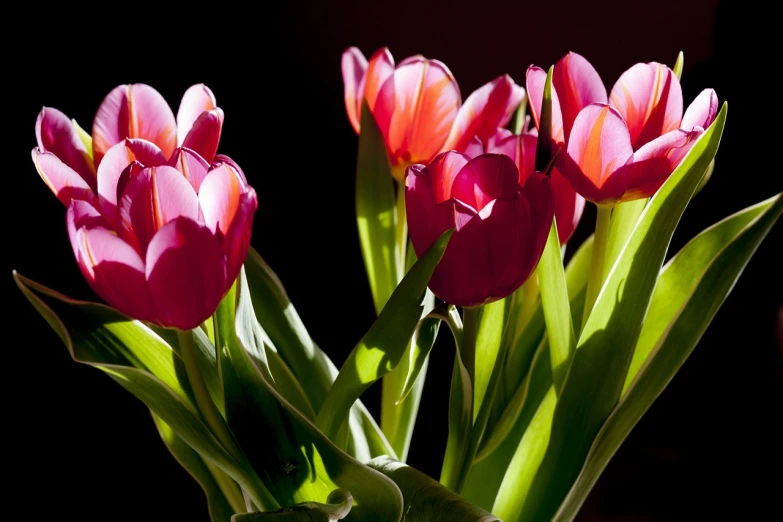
{"x":78,"y":445}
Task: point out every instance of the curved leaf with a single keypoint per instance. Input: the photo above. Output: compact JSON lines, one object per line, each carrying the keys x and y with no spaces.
{"x":426,"y":500}
{"x":595,"y":379}
{"x":337,"y":507}
{"x":708,"y":267}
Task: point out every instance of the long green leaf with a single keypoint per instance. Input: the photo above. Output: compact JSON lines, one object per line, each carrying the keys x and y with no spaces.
{"x":557,"y":311}
{"x":375,"y":211}
{"x":426,"y":500}
{"x":220,"y":507}
{"x":595,"y":379}
{"x":136,"y":358}
{"x":381,"y":349}
{"x":297,"y":461}
{"x":707,"y":268}
{"x":491,"y":326}
{"x":311,"y":366}
{"x":337,"y":507}
{"x":624,"y":219}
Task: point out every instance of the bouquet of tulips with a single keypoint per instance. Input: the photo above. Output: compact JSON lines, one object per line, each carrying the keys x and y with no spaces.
{"x":464,"y":211}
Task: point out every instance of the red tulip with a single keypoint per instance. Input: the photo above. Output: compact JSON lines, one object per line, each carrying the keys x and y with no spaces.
{"x":627,"y":149}
{"x":414,"y":103}
{"x":165,"y":252}
{"x":69,"y":164}
{"x":500,"y":226}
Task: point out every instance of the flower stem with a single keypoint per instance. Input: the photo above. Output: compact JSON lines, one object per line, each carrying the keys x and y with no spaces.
{"x":401,"y":231}
{"x":469,"y":333}
{"x":595,"y":277}
{"x":204,"y":402}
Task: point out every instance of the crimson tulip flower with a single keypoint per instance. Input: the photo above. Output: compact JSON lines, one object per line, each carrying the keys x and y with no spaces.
{"x":158,"y":231}
{"x":414,"y":103}
{"x":500,"y":226}
{"x":626,"y":149}
{"x":68,"y":159}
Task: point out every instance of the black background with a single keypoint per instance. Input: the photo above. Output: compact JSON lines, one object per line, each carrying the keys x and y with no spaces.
{"x":78,"y":446}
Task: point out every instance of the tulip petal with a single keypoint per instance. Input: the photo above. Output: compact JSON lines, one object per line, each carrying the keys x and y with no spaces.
{"x":427,"y":217}
{"x":474,"y":148}
{"x":442,"y":171}
{"x":66,"y":184}
{"x":485,"y":110}
{"x":237,"y":240}
{"x":653,"y":164}
{"x":81,"y":214}
{"x":649,"y":98}
{"x":219,"y":198}
{"x":506,"y":226}
{"x":222,"y":158}
{"x":133,"y":111}
{"x":464,"y":275}
{"x":111,"y":266}
{"x":569,"y":206}
{"x":197,"y":99}
{"x":535,"y":80}
{"x":379,"y":70}
{"x":185,"y":273}
{"x":539,"y":195}
{"x":520,"y":148}
{"x":702,"y":112}
{"x":115,"y":162}
{"x":598,"y":150}
{"x":204,"y":137}
{"x":485,"y":178}
{"x":426,"y":103}
{"x":56,"y":134}
{"x":153,"y":198}
{"x":191,"y":165}
{"x":578,"y":85}
{"x":354,"y":66}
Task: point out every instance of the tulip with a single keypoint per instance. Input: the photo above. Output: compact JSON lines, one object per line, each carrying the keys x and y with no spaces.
{"x":626,"y":150}
{"x":414,"y":103}
{"x":168,"y":253}
{"x":500,"y":226}
{"x":68,"y":160}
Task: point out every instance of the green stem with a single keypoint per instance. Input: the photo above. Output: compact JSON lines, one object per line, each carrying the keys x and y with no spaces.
{"x":230,"y":489}
{"x":204,"y":402}
{"x":595,"y":277}
{"x":469,"y":333}
{"x":401,"y":231}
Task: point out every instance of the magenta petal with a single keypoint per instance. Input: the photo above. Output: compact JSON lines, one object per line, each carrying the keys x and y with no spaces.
{"x":535,"y":82}
{"x":464,"y":276}
{"x":186,"y":273}
{"x":520,"y":148}
{"x":219,"y":198}
{"x":354,"y":66}
{"x":506,"y":226}
{"x":197,"y":99}
{"x":649,"y":98}
{"x":569,"y":206}
{"x":237,"y":239}
{"x":60,"y":178}
{"x":427,"y":219}
{"x":485,"y":178}
{"x":474,"y":148}
{"x":486,"y":109}
{"x":191,"y":165}
{"x":56,"y":134}
{"x":81,"y":214}
{"x":702,"y":111}
{"x":204,"y":137}
{"x":539,"y":195}
{"x":442,"y":171}
{"x":222,"y":158}
{"x":133,"y":111}
{"x":111,"y":266}
{"x":577,"y":84}
{"x":151,"y":199}
{"x":653,"y":164}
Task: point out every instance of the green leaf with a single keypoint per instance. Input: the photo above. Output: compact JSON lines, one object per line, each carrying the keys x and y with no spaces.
{"x":423,"y":341}
{"x":311,"y":366}
{"x":298,"y":463}
{"x":557,"y":311}
{"x":381,"y":349}
{"x":139,"y":360}
{"x":337,"y":507}
{"x":595,"y":379}
{"x":624,"y":219}
{"x":375,"y":211}
{"x":693,"y":285}
{"x":578,"y":266}
{"x":491,"y":327}
{"x":218,"y":487}
{"x":544,"y":143}
{"x":677,"y":70}
{"x":426,"y":500}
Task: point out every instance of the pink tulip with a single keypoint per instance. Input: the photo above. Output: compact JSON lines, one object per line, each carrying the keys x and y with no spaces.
{"x":164,"y":252}
{"x":627,"y":149}
{"x":69,"y":164}
{"x":414,"y":103}
{"x":500,"y":226}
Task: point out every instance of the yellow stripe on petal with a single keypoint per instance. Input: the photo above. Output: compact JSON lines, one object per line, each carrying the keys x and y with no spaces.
{"x":84,"y":136}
